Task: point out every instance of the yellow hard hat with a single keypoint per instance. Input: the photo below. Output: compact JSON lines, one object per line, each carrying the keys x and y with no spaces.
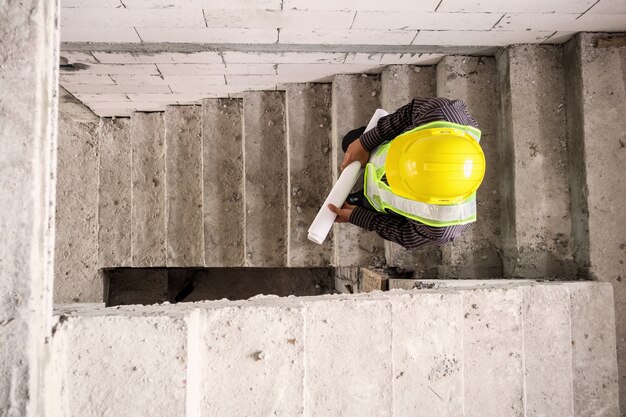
{"x":441,"y":166}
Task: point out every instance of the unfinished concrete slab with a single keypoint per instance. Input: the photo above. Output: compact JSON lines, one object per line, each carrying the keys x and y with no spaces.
{"x":114,"y":214}
{"x":493,"y":317}
{"x":439,"y":284}
{"x":428,"y":363}
{"x":308,"y":116}
{"x":536,"y":221}
{"x":183,"y":173}
{"x":148,"y":221}
{"x":399,"y":85}
{"x":355,"y":98}
{"x":338,"y":381}
{"x":265,"y":362}
{"x":594,"y":356}
{"x":76,"y":247}
{"x":547,"y":351}
{"x":596,"y":97}
{"x":223,"y":203}
{"x":265,"y":188}
{"x":476,"y":254}
{"x":99,"y":352}
{"x":513,"y":350}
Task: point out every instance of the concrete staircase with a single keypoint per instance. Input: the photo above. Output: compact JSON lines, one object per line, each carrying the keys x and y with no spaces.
{"x":235,"y":182}
{"x":252,"y":173}
{"x":503,"y":350}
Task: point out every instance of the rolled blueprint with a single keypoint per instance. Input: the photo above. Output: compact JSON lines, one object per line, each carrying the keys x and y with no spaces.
{"x":325,"y":218}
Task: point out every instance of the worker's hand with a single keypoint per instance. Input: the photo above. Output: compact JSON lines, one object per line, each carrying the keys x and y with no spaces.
{"x":355,"y":152}
{"x":343,"y":213}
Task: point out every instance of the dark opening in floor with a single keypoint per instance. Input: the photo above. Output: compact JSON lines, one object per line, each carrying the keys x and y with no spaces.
{"x":124,"y":286}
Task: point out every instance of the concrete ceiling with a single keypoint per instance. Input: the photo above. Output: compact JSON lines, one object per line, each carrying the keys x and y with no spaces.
{"x":121,"y":56}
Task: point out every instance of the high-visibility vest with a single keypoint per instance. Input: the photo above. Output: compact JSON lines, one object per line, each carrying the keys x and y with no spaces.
{"x":382,"y":198}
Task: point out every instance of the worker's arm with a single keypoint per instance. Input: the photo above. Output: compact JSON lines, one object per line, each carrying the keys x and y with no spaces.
{"x":418,"y":111}
{"x":395,"y":229}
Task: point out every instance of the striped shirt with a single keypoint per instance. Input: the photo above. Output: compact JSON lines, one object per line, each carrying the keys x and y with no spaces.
{"x":410,"y":233}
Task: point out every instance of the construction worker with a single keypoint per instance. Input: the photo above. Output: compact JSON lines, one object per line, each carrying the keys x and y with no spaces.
{"x":423,"y":165}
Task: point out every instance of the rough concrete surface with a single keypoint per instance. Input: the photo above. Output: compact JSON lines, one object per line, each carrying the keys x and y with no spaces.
{"x":114,"y":234}
{"x":594,"y":357}
{"x":493,"y":333}
{"x":355,"y":99}
{"x":428,"y":376}
{"x":147,"y":139}
{"x":513,"y":350}
{"x":223,"y":204}
{"x":76,"y":277}
{"x":596,"y":97}
{"x":438,"y":284}
{"x":399,"y":85}
{"x":262,"y":351}
{"x":28,"y":114}
{"x":536,"y":221}
{"x":265,"y":167}
{"x":476,"y":254}
{"x":310,"y":169}
{"x":183,"y":173}
{"x":340,"y":382}
{"x":547,"y":351}
{"x":125,"y":366}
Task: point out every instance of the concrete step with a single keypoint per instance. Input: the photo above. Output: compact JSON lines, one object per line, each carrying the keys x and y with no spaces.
{"x":596,"y":104}
{"x":308,"y":123}
{"x":535,"y":198}
{"x":399,"y":85}
{"x":183,"y":173}
{"x":533,"y":349}
{"x":355,"y":98}
{"x":266,"y":178}
{"x":223,"y":184}
{"x":148,"y":193}
{"x":476,"y":254}
{"x":114,"y":201}
{"x":76,"y":218}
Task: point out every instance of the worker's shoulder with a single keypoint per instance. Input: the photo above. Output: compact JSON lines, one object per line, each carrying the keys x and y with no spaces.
{"x":438,"y":101}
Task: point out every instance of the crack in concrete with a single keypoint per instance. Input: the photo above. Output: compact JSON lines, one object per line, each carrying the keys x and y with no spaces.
{"x":138,"y":35}
{"x":206,"y":23}
{"x":278,"y":38}
{"x":499,"y":20}
{"x":549,"y":37}
{"x":590,"y":7}
{"x":412,"y":40}
{"x":353,"y":19}
{"x":437,"y":8}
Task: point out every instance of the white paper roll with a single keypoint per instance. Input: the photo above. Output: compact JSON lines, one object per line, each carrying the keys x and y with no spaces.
{"x":325,"y":218}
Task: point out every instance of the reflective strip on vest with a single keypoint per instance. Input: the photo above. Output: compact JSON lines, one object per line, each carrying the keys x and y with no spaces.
{"x":382,"y":198}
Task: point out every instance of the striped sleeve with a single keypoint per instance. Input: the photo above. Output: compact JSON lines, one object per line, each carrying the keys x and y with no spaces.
{"x":418,"y":112}
{"x":407,"y":233}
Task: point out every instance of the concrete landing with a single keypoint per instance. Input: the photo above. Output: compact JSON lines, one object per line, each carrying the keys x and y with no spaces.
{"x":520,"y":349}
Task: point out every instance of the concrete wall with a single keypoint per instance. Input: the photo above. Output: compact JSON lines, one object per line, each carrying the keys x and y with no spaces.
{"x":509,"y":349}
{"x":596,"y":97}
{"x":28,"y":114}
